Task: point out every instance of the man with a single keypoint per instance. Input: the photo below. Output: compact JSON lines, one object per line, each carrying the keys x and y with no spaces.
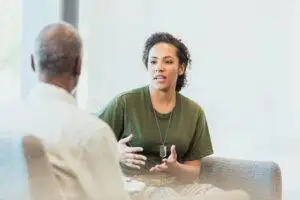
{"x":81,"y":148}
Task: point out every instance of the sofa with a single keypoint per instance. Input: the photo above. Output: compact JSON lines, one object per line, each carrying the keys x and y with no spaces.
{"x":261,"y":179}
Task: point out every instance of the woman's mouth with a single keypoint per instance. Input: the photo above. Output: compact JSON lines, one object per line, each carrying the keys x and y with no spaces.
{"x":160,"y":77}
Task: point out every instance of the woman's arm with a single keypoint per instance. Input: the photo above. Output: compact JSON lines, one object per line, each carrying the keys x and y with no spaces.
{"x":200,"y":147}
{"x":113,"y":115}
{"x":188,"y":171}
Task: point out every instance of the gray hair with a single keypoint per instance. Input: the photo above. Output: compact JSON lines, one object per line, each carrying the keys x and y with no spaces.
{"x":56,"y":48}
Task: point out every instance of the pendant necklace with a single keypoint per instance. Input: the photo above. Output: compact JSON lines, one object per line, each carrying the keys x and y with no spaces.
{"x":163,"y":147}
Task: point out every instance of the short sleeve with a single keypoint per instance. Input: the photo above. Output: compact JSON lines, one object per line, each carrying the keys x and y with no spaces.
{"x":200,"y":145}
{"x":113,"y":115}
{"x":100,"y":160}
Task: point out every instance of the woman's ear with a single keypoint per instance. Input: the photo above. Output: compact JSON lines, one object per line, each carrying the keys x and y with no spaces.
{"x":181,"y":69}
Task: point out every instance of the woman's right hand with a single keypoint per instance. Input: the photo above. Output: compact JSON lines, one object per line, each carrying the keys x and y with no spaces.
{"x":130,"y":156}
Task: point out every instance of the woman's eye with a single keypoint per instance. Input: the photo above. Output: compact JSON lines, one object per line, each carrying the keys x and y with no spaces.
{"x":169,"y":61}
{"x":152,"y":62}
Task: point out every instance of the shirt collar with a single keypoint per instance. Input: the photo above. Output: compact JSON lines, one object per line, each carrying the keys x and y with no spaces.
{"x":47,"y":92}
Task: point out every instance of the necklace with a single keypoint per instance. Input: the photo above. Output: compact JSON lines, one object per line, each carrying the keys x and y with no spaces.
{"x":163,"y":147}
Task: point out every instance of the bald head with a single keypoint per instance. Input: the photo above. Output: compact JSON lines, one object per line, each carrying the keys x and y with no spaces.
{"x":57,"y":50}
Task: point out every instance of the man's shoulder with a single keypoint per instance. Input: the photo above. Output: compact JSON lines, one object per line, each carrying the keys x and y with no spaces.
{"x":89,"y":126}
{"x":90,"y":121}
{"x":191,"y":106}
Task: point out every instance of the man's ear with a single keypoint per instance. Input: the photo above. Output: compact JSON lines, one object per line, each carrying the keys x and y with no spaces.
{"x":181,"y":69}
{"x":77,"y":66}
{"x":32,"y":63}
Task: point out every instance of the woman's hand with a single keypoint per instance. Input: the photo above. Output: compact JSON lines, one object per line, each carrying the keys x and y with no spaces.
{"x":186,"y":172}
{"x":130,"y":156}
{"x":169,"y":165}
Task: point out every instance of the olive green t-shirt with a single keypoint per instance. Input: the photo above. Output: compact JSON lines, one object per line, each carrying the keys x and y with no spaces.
{"x":132,"y":113}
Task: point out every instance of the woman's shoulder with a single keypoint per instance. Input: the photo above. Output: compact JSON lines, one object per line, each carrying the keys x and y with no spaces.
{"x":131,"y":95}
{"x":191,"y":105}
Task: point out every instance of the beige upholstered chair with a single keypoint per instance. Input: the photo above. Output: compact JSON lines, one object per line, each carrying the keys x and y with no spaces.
{"x":262,"y":180}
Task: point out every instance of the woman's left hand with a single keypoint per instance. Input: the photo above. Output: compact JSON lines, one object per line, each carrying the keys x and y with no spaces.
{"x":169,"y":165}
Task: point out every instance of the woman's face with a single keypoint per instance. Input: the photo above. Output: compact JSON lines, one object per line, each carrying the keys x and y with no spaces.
{"x":164,"y":67}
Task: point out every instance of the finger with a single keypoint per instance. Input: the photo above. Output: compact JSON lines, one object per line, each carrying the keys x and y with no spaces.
{"x":134,"y":156}
{"x":126,"y":139}
{"x":173,"y":150}
{"x":169,"y":161}
{"x":173,"y":154}
{"x":134,"y":149}
{"x":132,"y":164}
{"x":135,"y":162}
{"x":162,"y":167}
{"x":154,"y":169}
{"x":159,"y":168}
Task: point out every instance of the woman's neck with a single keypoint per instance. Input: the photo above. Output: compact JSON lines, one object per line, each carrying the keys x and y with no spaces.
{"x":163,"y":102}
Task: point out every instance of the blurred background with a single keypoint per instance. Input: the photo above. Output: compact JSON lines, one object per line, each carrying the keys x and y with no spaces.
{"x":246,"y":64}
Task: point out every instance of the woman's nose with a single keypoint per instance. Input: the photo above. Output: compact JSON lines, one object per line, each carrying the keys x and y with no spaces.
{"x":159,"y":67}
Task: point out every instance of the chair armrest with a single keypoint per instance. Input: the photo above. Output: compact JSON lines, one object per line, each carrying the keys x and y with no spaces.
{"x":42,"y":183}
{"x":262,"y":180}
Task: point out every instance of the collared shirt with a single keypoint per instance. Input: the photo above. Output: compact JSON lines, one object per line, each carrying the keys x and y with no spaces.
{"x":82,"y":149}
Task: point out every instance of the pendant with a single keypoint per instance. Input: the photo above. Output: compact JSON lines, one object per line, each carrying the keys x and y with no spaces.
{"x":163,"y":151}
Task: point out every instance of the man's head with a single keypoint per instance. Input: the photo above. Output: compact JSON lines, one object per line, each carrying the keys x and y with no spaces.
{"x":57,"y":55}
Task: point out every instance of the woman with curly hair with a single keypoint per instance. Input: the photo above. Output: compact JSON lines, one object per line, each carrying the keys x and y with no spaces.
{"x":162,"y":134}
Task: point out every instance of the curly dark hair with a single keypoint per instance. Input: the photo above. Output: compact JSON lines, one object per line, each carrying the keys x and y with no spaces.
{"x":183,"y":53}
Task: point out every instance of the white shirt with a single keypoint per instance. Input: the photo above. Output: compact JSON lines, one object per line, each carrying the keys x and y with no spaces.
{"x":81,"y":147}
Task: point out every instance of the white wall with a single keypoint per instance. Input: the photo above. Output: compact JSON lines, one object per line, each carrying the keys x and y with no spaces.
{"x":35,"y":15}
{"x":244,"y":73}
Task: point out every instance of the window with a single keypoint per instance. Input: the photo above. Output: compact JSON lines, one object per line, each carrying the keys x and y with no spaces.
{"x":10,"y":50}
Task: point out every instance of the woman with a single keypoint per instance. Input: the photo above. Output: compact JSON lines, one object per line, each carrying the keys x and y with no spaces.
{"x":162,"y":134}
